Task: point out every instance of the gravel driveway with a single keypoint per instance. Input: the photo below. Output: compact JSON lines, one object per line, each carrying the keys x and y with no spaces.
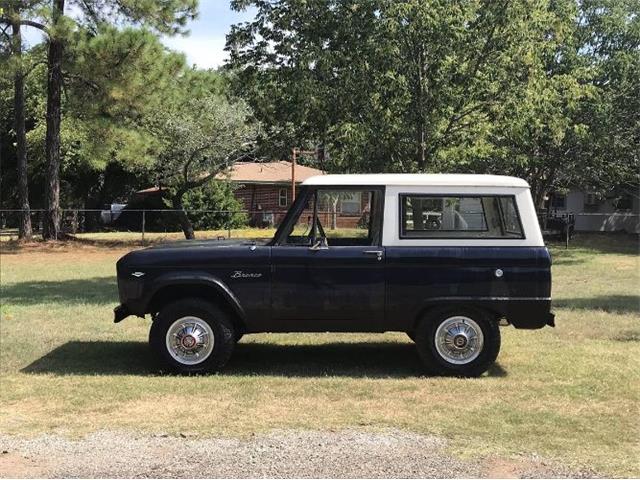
{"x":346,"y":453}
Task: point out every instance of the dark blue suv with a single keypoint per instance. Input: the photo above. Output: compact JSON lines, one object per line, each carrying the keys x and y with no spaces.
{"x":444,"y":258}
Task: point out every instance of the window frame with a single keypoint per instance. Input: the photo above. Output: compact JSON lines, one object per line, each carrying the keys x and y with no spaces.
{"x":307,"y":191}
{"x":558,"y":196}
{"x":358,"y":202}
{"x":401,"y":224}
{"x":280,"y":197}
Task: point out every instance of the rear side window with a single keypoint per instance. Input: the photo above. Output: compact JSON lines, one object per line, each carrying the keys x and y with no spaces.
{"x":459,"y":216}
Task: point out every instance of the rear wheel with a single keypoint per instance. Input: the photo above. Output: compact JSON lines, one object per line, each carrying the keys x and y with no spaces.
{"x":458,"y":342}
{"x":192,"y":336}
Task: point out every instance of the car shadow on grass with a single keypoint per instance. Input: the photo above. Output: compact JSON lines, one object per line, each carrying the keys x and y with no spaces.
{"x":609,"y":303}
{"x":96,"y":290}
{"x":356,"y":360}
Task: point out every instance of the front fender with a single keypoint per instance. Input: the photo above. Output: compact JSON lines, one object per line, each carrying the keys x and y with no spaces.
{"x":186,"y":279}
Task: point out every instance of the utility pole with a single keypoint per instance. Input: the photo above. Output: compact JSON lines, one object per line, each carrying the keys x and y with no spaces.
{"x":295,"y":151}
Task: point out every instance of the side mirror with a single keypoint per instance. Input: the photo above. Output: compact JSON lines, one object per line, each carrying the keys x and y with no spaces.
{"x":321,"y":244}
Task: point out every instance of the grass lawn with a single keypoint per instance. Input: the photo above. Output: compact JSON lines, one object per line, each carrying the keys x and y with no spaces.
{"x":570,"y":394}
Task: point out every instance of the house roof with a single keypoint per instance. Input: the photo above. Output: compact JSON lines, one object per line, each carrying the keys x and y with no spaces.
{"x":269,"y":172}
{"x":419,"y":179}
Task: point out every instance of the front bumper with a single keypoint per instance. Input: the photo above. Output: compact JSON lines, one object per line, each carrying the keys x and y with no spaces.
{"x":120,"y":313}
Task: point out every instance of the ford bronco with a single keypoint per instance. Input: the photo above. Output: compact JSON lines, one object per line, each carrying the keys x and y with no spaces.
{"x":444,"y":258}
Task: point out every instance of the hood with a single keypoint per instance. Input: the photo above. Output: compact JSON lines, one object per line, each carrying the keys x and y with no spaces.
{"x":191,"y":254}
{"x":232,"y":242}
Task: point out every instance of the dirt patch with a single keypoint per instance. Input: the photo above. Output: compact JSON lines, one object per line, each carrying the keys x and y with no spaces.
{"x":14,"y":465}
{"x":284,"y":454}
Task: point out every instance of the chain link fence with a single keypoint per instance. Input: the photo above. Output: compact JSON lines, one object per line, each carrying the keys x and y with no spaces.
{"x":151,"y":224}
{"x":126,"y":224}
{"x":145,"y":224}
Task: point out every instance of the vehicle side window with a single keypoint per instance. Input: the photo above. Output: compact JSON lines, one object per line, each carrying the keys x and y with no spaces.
{"x":459,"y":216}
{"x":345,"y":215}
{"x":301,"y":231}
{"x":341,"y":216}
{"x":510,"y":218}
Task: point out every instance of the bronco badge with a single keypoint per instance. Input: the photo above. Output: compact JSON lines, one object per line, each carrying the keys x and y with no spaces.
{"x":241,"y":274}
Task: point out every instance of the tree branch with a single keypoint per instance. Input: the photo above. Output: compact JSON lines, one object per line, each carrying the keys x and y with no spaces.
{"x":201,"y":181}
{"x":4,"y":32}
{"x":26,"y":23}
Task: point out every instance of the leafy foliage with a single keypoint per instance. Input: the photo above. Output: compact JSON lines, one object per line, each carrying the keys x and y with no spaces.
{"x":224,"y":210}
{"x":199,"y":133}
{"x":542,"y":89}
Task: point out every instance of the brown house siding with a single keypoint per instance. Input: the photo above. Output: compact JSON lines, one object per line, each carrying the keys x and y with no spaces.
{"x":261,"y":201}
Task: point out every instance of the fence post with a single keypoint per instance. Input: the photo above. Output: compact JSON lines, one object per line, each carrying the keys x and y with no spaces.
{"x":228,"y":224}
{"x":144,"y":219}
{"x":74,"y":221}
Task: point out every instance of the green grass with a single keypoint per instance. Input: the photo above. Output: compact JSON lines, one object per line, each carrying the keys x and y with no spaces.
{"x":570,"y":394}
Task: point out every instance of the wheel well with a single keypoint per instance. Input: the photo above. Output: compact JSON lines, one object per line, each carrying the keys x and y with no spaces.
{"x":443,"y":307}
{"x":172,"y":293}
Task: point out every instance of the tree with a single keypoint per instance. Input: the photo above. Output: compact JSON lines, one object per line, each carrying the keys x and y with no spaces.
{"x":576,"y":121}
{"x":13,"y":13}
{"x":385,"y":85}
{"x":195,"y":148}
{"x":168,"y":16}
{"x":543,"y":89}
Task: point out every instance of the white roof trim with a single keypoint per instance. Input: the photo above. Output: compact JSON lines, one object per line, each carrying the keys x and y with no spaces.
{"x":418,"y":179}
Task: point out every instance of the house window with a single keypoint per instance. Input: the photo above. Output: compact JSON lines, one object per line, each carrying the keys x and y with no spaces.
{"x":591,"y":199}
{"x":351,"y":203}
{"x":282,"y":197}
{"x":625,"y":202}
{"x":559,"y":201}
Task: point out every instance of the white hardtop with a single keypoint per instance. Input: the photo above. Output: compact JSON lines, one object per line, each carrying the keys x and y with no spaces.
{"x":418,"y":179}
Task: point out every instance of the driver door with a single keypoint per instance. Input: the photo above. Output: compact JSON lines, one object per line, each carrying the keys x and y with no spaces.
{"x":328,"y":264}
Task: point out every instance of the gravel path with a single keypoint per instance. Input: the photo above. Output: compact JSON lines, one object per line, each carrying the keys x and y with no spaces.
{"x":346,"y":453}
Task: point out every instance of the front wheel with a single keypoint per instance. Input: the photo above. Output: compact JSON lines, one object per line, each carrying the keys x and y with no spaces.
{"x":192,"y":336}
{"x":461,"y":342}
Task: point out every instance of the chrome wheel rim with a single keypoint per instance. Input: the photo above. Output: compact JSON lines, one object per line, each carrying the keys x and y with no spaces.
{"x":459,"y":340}
{"x":190,"y":340}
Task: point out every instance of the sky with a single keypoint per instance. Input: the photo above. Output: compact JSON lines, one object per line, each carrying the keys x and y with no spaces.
{"x":204,"y":45}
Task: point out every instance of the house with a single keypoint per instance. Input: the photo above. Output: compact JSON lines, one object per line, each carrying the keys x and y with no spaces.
{"x":616,"y":211}
{"x":264,"y":189}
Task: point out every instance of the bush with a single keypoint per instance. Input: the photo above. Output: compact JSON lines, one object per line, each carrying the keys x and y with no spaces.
{"x":216,"y":197}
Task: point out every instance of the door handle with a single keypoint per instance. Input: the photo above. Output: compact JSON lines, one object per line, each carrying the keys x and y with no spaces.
{"x":377,"y":253}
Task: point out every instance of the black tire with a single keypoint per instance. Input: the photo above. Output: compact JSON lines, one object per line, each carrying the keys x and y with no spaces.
{"x":436,"y":364}
{"x":219,"y":322}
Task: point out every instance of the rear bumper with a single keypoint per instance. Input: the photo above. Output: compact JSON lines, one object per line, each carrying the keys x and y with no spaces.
{"x":551,"y":320}
{"x":521,"y":312}
{"x":530,"y":314}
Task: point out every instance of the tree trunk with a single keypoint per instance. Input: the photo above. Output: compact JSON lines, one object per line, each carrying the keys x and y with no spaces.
{"x":24,"y":229}
{"x":51,"y":227}
{"x":183,"y":218}
{"x":420,"y":108}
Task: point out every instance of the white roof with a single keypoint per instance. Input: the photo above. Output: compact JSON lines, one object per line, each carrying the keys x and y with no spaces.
{"x":419,"y":179}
